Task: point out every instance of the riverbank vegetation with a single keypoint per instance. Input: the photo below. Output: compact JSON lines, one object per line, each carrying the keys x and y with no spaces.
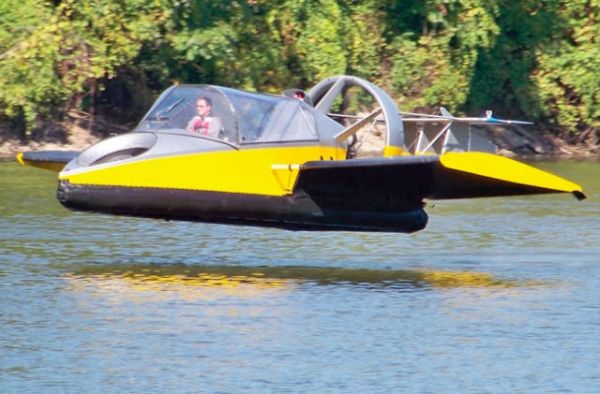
{"x":105,"y":61}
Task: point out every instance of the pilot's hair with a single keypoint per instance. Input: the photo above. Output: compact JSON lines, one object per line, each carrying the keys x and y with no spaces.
{"x":208,"y":100}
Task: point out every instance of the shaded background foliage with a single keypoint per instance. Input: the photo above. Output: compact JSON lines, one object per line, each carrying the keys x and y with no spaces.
{"x":538,"y":59}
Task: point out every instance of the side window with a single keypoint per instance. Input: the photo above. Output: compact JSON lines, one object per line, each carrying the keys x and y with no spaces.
{"x":291,"y":120}
{"x":263,"y":118}
{"x":251,"y":112}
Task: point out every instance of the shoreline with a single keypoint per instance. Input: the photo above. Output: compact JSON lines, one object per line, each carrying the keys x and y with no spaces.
{"x":531,"y":149}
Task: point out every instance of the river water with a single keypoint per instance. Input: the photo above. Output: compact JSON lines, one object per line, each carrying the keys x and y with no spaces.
{"x":496,"y":295}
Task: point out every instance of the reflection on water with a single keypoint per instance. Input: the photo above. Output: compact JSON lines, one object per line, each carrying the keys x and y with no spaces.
{"x":252,"y":281}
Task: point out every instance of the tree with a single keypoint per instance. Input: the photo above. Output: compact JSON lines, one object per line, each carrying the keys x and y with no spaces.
{"x":53,"y":63}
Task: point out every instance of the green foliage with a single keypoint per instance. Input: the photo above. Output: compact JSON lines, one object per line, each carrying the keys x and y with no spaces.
{"x":436,"y":66}
{"x":50,"y":65}
{"x":530,"y":58}
{"x":24,"y":77}
{"x":567,"y":76}
{"x":311,"y":34}
{"x":545,"y":65}
{"x":366,"y":43}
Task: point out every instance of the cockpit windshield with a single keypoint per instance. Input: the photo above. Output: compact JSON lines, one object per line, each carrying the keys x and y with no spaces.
{"x":202,"y":111}
{"x":230,"y":115}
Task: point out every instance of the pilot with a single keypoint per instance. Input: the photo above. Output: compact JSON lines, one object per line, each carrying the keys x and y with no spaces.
{"x":204,"y":122}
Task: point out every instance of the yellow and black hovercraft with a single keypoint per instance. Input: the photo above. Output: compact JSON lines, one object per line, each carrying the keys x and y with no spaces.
{"x":215,"y":154}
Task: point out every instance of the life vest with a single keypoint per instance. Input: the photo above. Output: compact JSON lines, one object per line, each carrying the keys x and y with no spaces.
{"x":200,"y":125}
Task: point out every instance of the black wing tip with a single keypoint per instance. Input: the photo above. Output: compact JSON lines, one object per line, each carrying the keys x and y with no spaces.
{"x":579,"y":195}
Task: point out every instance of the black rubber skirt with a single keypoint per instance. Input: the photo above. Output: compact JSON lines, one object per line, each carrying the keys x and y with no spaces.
{"x":299,"y":211}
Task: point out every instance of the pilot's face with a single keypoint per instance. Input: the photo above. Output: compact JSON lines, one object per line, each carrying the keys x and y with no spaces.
{"x":202,"y":107}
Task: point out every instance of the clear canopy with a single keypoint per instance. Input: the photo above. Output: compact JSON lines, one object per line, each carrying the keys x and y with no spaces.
{"x":234,"y":116}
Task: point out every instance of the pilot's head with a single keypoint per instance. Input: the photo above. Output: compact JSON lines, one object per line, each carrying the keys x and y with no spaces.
{"x":203,"y":106}
{"x":298,"y":94}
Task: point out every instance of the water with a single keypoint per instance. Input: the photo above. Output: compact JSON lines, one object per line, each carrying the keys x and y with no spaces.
{"x":496,"y":295}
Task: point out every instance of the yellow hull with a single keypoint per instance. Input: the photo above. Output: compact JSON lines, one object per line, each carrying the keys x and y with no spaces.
{"x":262,"y":171}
